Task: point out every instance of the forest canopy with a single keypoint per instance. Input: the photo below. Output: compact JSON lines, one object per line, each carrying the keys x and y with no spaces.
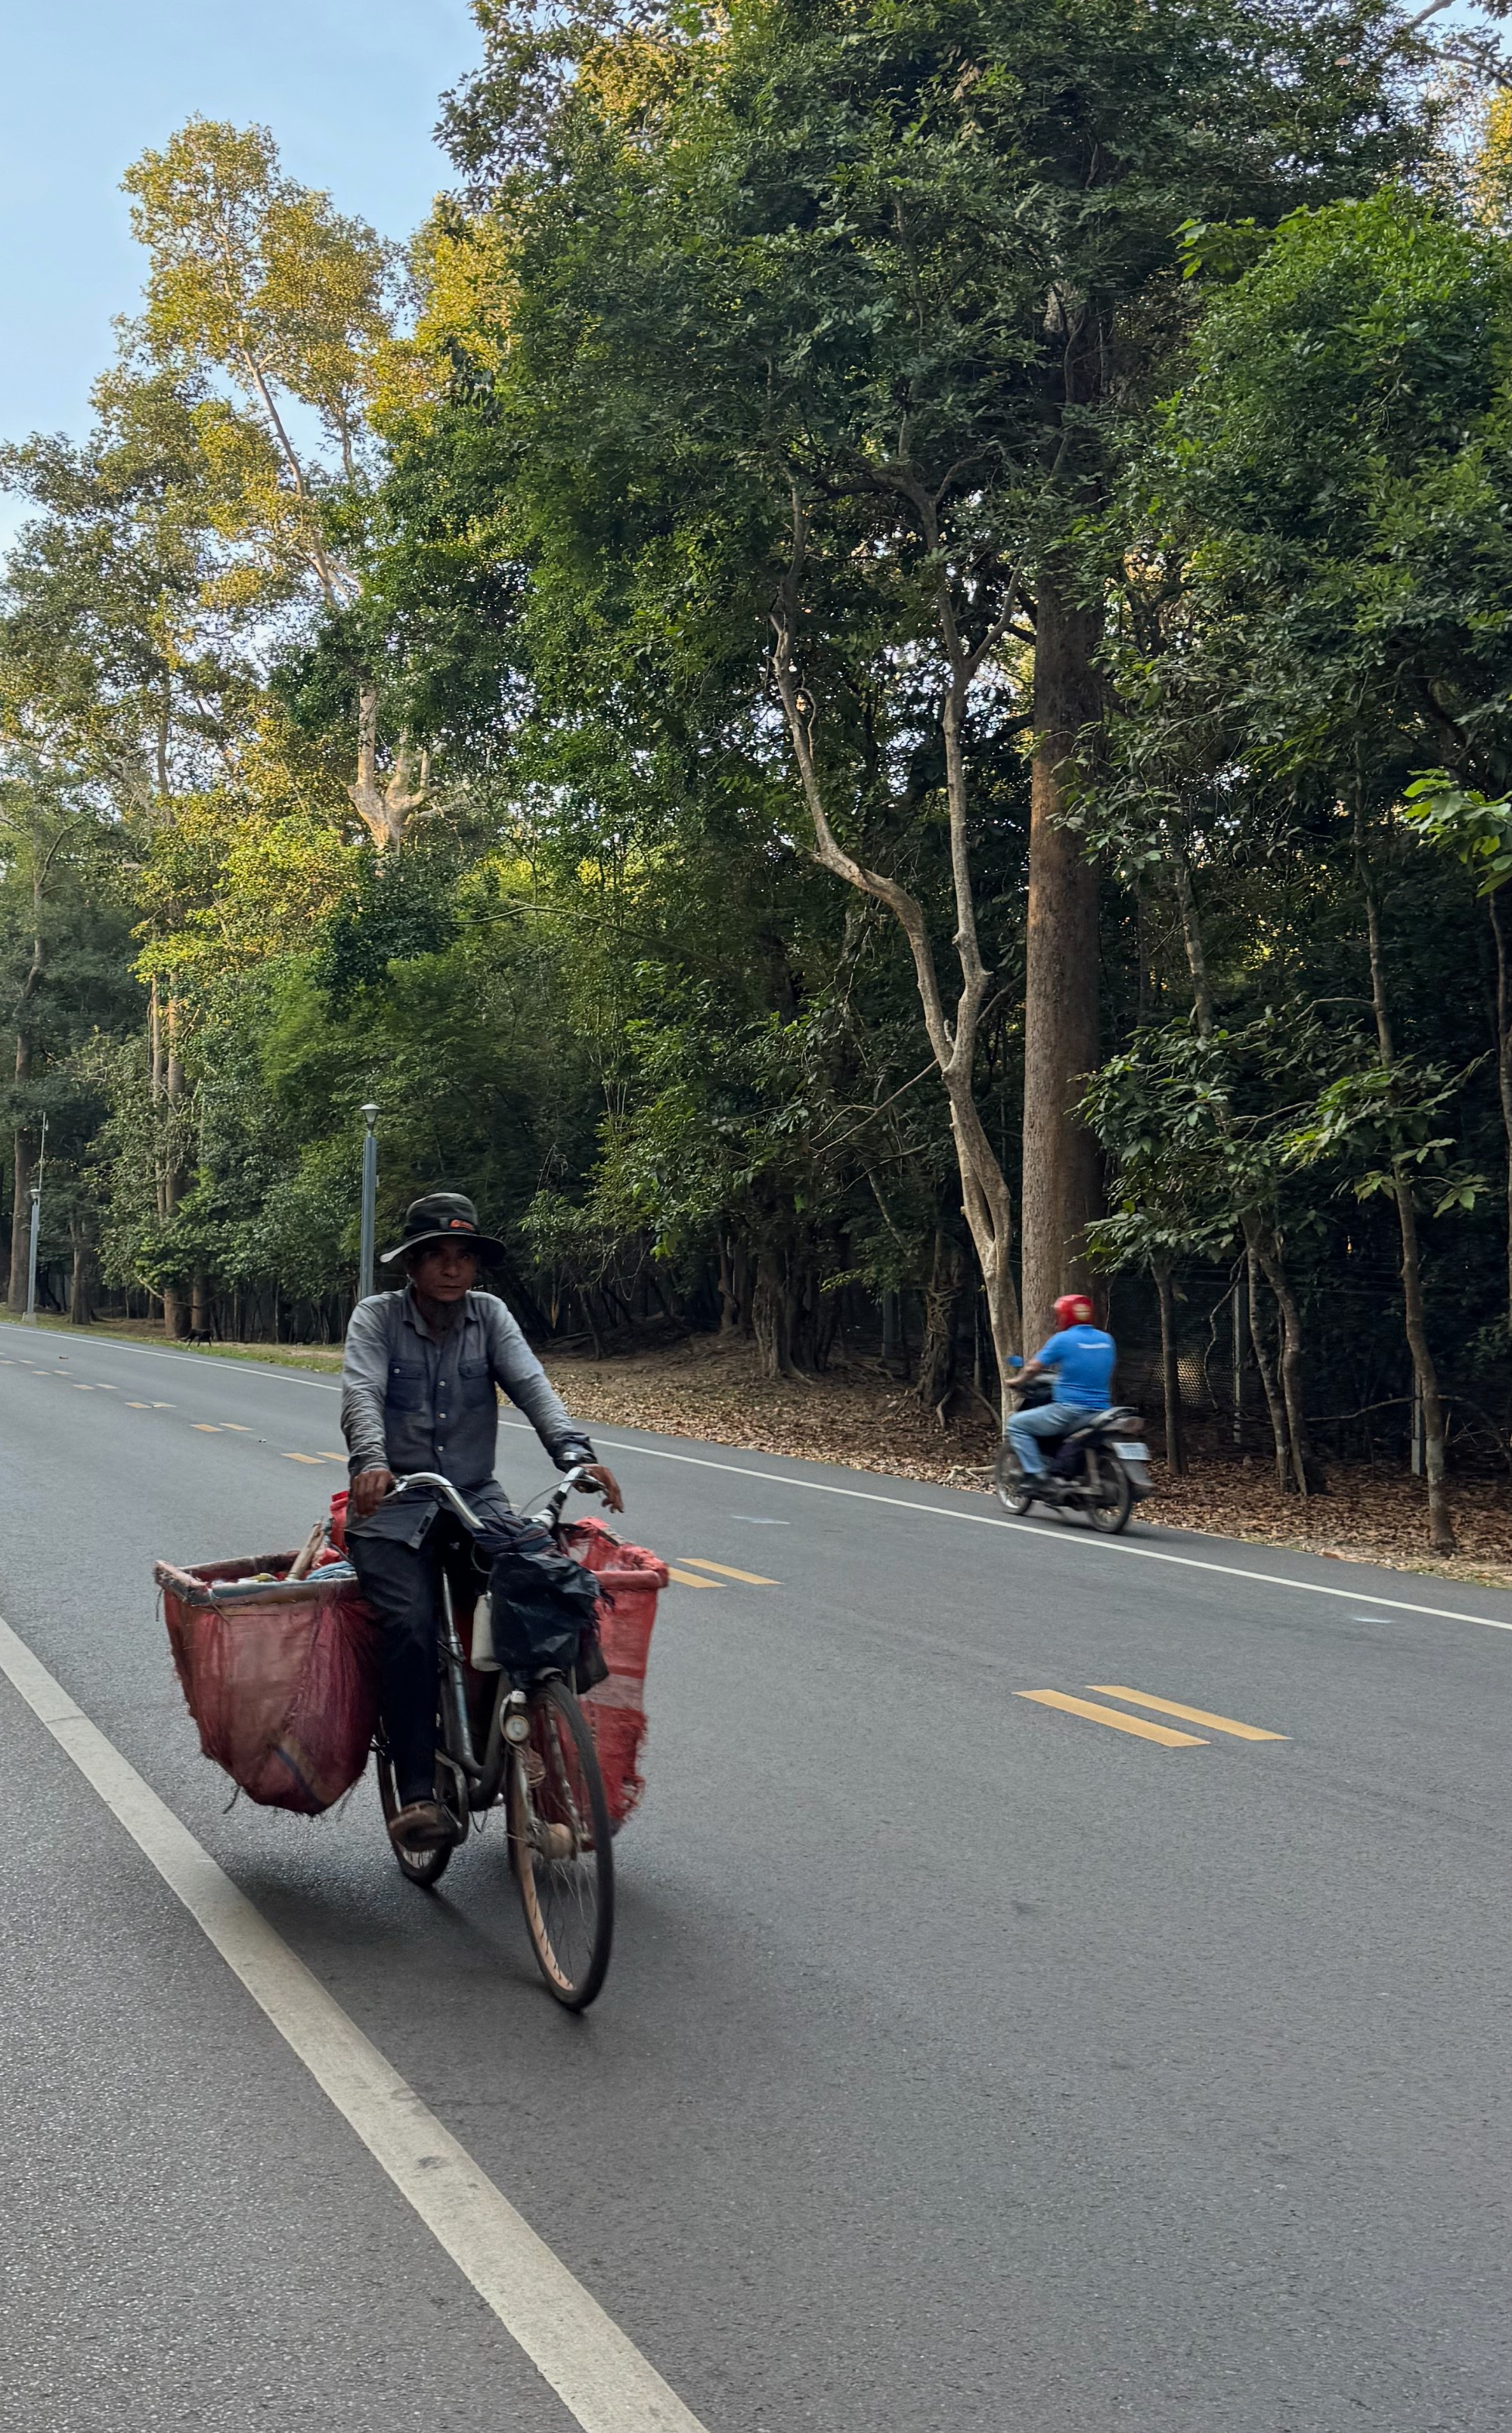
{"x":870,"y":679}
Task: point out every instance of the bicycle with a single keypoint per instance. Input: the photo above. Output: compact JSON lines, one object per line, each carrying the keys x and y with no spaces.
{"x":539,"y":1763}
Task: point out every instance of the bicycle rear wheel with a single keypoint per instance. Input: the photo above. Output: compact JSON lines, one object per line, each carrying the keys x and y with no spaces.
{"x":560,"y":1840}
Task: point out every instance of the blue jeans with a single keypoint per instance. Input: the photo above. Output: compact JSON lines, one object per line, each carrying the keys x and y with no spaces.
{"x":1050,"y":1419}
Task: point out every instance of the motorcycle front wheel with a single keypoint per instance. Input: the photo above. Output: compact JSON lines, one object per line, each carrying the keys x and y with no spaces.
{"x":1109,"y":1496}
{"x":1008,"y":1483}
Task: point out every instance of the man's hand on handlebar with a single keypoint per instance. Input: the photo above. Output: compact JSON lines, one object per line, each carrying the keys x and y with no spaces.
{"x":368,"y":1489}
{"x":604,"y":1479}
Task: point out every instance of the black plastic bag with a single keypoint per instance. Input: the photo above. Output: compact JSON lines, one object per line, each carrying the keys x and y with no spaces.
{"x":543,"y":1603}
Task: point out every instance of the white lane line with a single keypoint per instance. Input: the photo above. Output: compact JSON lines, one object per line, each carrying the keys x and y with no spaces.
{"x":209,"y":1360}
{"x":990,"y":1521}
{"x":599,"y":2375}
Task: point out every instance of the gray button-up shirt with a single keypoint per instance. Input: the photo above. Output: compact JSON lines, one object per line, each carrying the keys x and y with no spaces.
{"x":414,"y":1400}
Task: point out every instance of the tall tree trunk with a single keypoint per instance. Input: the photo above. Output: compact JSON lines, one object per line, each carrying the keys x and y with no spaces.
{"x":1170,"y":1372}
{"x":742,"y":1281}
{"x":729,"y":1298}
{"x":1060,"y":1189}
{"x":387,"y":810}
{"x":81,"y":1298}
{"x":1504,"y":1066}
{"x":936,"y":1353}
{"x":892,"y":1359}
{"x":176,"y":1316}
{"x":155,"y":1037}
{"x":771,"y":1316}
{"x":19,"y":1207}
{"x":1307,"y":1476}
{"x":1296,"y":1462}
{"x":986,"y":1201}
{"x":1196,"y":962}
{"x":1440,"y":1521}
{"x":1274,"y":1404}
{"x":21,"y":1201}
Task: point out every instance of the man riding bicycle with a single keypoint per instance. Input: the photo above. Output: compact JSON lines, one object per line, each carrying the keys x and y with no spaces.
{"x":418,"y":1392}
{"x":1080,"y":1358}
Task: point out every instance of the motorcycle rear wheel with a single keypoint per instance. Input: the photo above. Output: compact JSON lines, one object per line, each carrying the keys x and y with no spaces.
{"x":1110,"y":1495}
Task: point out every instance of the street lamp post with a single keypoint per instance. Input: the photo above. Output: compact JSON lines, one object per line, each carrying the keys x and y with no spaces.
{"x":365,"y":1280}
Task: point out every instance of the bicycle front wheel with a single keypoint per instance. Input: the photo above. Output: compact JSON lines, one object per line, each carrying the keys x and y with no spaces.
{"x":560,"y":1840}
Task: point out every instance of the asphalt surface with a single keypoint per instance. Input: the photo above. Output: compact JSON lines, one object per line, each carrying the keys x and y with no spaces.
{"x":965,"y":2063}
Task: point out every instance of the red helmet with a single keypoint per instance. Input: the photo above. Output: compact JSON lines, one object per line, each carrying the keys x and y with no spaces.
{"x":1073,"y":1309}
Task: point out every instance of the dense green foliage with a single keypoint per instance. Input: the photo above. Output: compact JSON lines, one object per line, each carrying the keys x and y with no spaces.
{"x":596,"y":740}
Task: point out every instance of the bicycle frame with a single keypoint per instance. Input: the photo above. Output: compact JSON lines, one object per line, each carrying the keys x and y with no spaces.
{"x":478,"y":1781}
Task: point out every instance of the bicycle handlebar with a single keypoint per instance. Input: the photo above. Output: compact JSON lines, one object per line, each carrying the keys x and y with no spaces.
{"x":443,"y":1487}
{"x":555,"y":1503}
{"x":557,"y":1498}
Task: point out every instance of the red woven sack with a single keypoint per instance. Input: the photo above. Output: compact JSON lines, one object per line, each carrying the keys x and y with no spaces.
{"x":630,"y":1580}
{"x":280,"y":1677}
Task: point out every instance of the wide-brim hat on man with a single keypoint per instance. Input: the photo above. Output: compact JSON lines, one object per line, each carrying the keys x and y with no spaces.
{"x":443,"y":1216}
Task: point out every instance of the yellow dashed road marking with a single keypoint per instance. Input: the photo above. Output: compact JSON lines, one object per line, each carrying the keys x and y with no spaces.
{"x":203,"y":1428}
{"x":78,"y":1388}
{"x":688,"y":1579}
{"x":1187,"y":1714}
{"x":164,"y":1406}
{"x":313,"y":1458}
{"x":139,"y":1406}
{"x":1111,"y":1716}
{"x":753,"y":1579}
{"x":236,"y":1428}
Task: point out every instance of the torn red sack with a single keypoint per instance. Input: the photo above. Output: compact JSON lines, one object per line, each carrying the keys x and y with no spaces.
{"x":281,"y":1676}
{"x":630,"y":1580}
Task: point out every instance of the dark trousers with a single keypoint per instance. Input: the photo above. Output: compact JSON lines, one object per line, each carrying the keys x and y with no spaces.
{"x":403,"y":1584}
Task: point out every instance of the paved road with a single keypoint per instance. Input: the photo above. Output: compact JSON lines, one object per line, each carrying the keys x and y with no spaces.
{"x":968,"y":2065}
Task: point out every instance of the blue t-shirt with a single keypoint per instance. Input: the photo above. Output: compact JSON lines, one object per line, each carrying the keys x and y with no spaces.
{"x":1082,"y":1358}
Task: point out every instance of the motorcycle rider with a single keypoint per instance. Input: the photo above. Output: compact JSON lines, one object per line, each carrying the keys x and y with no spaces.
{"x":1080,"y":1358}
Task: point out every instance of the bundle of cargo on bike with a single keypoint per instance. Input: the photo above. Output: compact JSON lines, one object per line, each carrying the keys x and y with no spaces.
{"x":277,"y":1659}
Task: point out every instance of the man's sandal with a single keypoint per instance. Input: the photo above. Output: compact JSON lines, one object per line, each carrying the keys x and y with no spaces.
{"x":424,"y":1825}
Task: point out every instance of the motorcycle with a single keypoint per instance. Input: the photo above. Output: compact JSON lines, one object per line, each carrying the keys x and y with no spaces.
{"x":1100,"y":1467}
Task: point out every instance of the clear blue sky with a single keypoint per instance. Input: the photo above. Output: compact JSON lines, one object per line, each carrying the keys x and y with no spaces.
{"x":348,"y":87}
